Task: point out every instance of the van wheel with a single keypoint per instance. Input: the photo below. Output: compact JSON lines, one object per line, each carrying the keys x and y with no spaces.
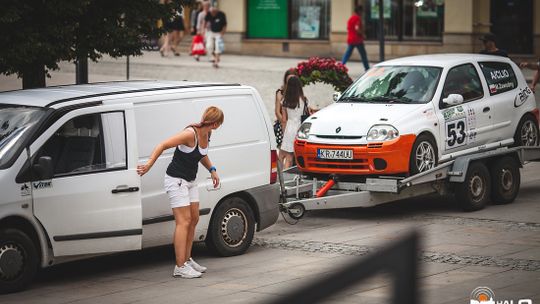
{"x":473,"y":193}
{"x":232,"y":228}
{"x":505,"y":180}
{"x":18,"y":260}
{"x":526,"y":132}
{"x":424,"y":155}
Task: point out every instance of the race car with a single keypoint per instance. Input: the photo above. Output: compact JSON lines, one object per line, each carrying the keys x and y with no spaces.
{"x":407,"y":115}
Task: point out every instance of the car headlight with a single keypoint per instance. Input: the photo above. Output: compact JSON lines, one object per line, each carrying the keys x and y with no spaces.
{"x":303,"y":131}
{"x":382,"y":133}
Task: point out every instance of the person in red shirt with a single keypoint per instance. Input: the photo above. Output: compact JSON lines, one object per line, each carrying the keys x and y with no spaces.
{"x":355,"y":37}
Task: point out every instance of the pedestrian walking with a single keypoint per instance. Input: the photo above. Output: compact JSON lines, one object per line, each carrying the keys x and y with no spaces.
{"x":193,"y":17}
{"x":490,"y":46}
{"x":175,"y":32}
{"x":532,"y":66}
{"x":202,"y":27}
{"x":214,"y":37}
{"x":294,"y":107}
{"x":355,"y":37}
{"x":191,"y":147}
{"x":278,"y":130}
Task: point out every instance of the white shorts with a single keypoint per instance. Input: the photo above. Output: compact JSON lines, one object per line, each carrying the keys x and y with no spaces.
{"x":181,"y":192}
{"x":214,"y":42}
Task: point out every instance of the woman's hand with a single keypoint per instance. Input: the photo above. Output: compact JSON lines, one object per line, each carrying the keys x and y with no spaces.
{"x":215,"y":178}
{"x":142,"y":169}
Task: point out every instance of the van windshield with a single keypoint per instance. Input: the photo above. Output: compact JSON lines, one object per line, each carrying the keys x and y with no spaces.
{"x":16,"y":124}
{"x":394,"y":84}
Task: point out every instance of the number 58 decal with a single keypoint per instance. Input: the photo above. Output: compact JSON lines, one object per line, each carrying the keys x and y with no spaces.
{"x":456,"y":133}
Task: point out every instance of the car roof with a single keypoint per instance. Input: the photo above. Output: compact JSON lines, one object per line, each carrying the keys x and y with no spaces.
{"x":55,"y":95}
{"x":442,"y":60}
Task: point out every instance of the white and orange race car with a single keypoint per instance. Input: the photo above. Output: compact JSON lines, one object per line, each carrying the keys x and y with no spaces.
{"x":405,"y":116}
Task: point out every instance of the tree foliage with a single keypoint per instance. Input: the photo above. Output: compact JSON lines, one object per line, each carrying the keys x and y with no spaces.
{"x":37,"y":34}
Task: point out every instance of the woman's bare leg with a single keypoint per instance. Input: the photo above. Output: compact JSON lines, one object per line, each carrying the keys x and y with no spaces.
{"x":194,"y":209}
{"x":182,"y":217}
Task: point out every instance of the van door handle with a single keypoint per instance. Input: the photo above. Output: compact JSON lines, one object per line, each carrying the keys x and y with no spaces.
{"x":486,"y":109}
{"x":120,"y":189}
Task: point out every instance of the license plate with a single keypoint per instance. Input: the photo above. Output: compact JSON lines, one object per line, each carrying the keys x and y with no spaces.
{"x":334,"y":154}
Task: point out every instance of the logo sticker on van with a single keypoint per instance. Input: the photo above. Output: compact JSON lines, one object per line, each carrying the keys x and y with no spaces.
{"x":42,"y":185}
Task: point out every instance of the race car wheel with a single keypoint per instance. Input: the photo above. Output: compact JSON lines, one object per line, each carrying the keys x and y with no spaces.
{"x":19,"y":260}
{"x":526,"y":132}
{"x":505,"y":180}
{"x":231,"y":228}
{"x":473,"y":193}
{"x":424,"y":155}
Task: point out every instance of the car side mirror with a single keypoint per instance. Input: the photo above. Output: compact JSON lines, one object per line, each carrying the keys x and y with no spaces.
{"x":44,"y":168}
{"x":453,"y":100}
{"x":336,"y":96}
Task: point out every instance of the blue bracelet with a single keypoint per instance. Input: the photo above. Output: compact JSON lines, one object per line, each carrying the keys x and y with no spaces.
{"x":212,"y":169}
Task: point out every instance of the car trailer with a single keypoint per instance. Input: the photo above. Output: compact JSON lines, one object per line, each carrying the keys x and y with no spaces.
{"x":475,"y":179}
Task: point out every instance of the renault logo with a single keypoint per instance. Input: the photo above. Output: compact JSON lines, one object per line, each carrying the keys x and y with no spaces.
{"x":338,"y":130}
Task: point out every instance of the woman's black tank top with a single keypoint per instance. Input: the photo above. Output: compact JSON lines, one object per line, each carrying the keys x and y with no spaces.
{"x":185,"y":165}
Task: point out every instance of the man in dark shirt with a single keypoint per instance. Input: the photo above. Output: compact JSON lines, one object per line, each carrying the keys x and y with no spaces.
{"x":214,"y":37}
{"x":490,"y":46}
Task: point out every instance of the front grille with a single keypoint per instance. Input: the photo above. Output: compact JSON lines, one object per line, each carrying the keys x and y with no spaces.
{"x":338,"y":137}
{"x":338,"y":163}
{"x":374,"y":146}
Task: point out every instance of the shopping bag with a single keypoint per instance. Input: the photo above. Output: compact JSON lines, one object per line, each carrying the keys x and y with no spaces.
{"x":220,"y":45}
{"x":197,"y":46}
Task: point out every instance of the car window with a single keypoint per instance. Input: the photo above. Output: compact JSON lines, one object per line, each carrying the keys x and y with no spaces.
{"x":500,"y":77}
{"x":394,"y":84}
{"x":463,"y":80}
{"x":88,"y":143}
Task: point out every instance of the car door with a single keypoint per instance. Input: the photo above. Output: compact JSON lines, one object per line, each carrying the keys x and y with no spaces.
{"x":92,"y":204}
{"x":466,"y":125}
{"x":504,"y":97}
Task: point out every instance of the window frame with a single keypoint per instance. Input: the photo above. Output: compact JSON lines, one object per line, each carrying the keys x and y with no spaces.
{"x":100,"y":124}
{"x":515,"y":79}
{"x":442,"y":105}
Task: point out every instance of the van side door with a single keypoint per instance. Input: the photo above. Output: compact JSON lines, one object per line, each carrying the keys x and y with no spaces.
{"x":92,"y":204}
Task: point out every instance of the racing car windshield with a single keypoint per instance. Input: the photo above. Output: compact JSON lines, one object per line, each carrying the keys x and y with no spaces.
{"x":394,"y":84}
{"x":16,"y":123}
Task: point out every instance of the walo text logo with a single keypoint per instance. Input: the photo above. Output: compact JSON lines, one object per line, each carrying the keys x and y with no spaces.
{"x":484,"y":295}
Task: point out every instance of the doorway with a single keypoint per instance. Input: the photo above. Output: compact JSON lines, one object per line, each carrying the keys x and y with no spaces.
{"x":512,"y":23}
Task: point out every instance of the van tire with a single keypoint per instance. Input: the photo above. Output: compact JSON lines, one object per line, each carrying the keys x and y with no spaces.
{"x":232,"y":227}
{"x":527,"y":132}
{"x":505,"y":180}
{"x":19,"y":260}
{"x":425,"y":145}
{"x":473,"y":194}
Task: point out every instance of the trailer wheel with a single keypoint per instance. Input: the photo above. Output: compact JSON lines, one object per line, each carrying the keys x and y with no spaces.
{"x":424,"y":155}
{"x":526,"y":132}
{"x":473,"y":193}
{"x":19,"y":260}
{"x":231,"y":228}
{"x":505,"y":180}
{"x":296,"y":211}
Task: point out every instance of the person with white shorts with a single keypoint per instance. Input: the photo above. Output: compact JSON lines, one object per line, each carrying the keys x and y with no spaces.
{"x":217,"y":24}
{"x":191,"y":148}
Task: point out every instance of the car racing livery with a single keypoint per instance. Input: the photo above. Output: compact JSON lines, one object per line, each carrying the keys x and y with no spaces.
{"x":405,"y":116}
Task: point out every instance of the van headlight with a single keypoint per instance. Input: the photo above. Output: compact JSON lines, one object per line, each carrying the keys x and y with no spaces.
{"x":303,"y":131}
{"x":382,"y":133}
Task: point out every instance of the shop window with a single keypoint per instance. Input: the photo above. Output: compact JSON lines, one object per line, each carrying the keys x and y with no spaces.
{"x":310,"y":19}
{"x":283,"y":19}
{"x":405,"y":20}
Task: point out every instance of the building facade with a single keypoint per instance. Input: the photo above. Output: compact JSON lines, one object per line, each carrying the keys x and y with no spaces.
{"x":303,"y":28}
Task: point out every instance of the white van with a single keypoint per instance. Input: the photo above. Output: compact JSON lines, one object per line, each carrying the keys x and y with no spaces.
{"x":68,"y":182}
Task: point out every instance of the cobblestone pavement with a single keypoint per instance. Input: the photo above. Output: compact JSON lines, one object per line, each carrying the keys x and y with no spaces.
{"x":498,"y":247}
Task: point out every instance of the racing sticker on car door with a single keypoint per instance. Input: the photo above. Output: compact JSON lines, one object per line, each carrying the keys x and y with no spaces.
{"x":460,"y":126}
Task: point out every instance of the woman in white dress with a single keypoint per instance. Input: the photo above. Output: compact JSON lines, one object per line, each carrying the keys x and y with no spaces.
{"x":292,"y":109}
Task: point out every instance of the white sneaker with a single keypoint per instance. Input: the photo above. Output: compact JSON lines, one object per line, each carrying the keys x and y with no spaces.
{"x":185,"y":271}
{"x":196,"y":265}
